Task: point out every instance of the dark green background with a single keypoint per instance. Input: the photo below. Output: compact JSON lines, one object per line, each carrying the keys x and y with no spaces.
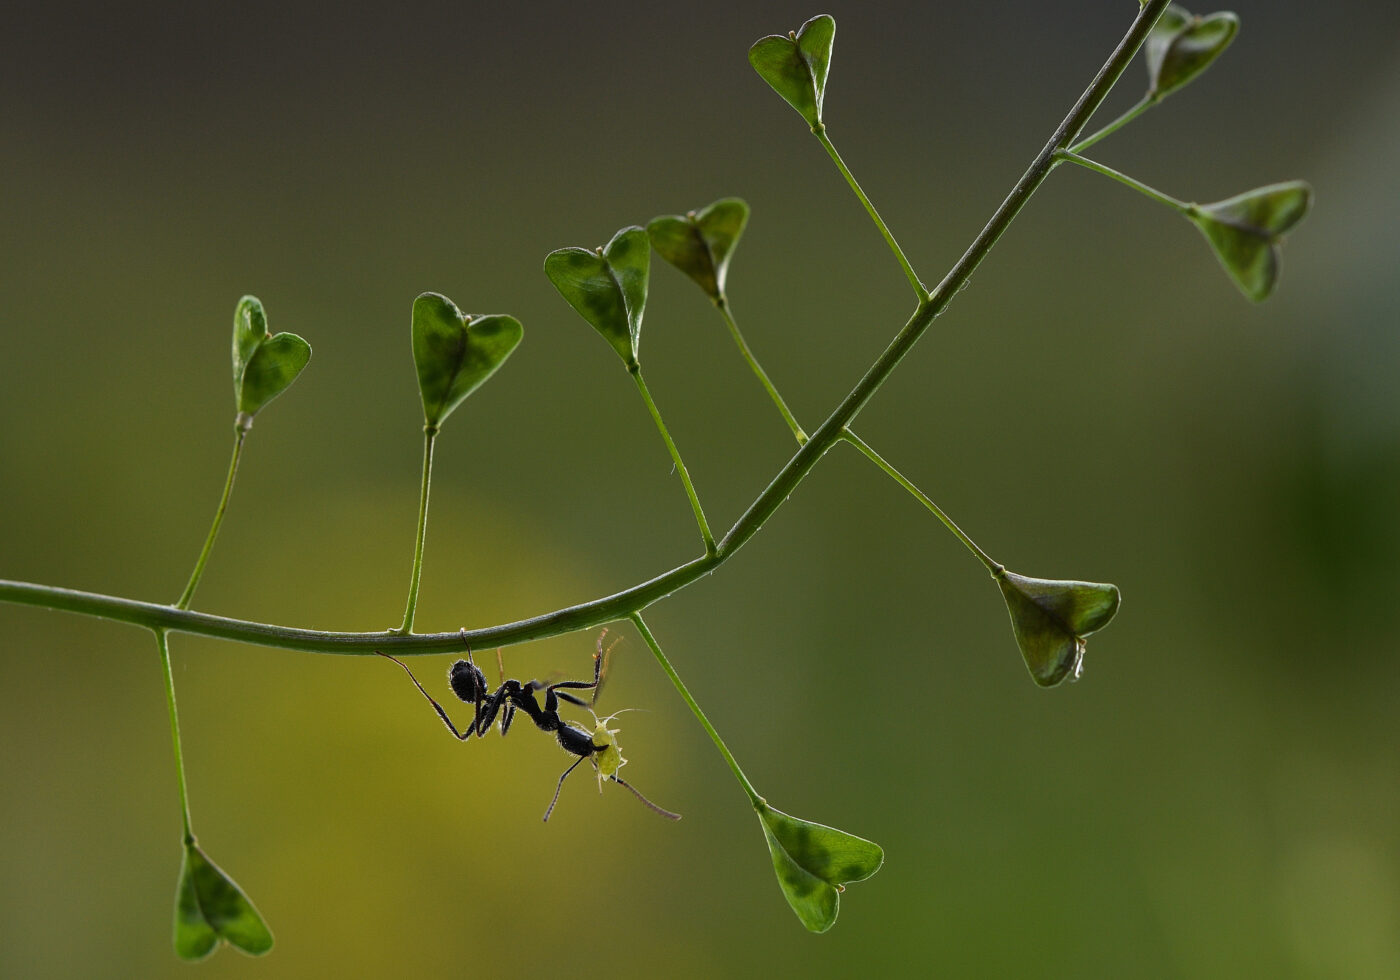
{"x":1217,"y":798}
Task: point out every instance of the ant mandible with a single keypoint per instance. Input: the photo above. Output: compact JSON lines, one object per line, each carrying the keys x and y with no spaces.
{"x":599,"y":747}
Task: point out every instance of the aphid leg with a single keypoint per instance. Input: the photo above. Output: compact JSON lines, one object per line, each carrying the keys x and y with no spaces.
{"x":561,"y":786}
{"x":649,"y":805}
{"x":462,"y":736}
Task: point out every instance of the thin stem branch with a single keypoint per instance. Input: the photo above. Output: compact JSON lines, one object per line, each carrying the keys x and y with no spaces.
{"x":1044,"y":163}
{"x":685,"y":694}
{"x":1123,"y":178}
{"x":898,"y":477}
{"x":240,"y":432}
{"x":625,"y":604}
{"x":723,"y":305}
{"x":856,"y":441}
{"x":708,"y":537}
{"x":429,"y":437}
{"x":1146,"y":103}
{"x":163,"y":645}
{"x":919,"y":290}
{"x":153,"y":615}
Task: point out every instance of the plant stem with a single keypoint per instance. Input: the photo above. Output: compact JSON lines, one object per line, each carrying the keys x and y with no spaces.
{"x":429,"y":436}
{"x":154,"y":615}
{"x":1147,"y":103}
{"x":240,"y":432}
{"x":625,"y":604}
{"x":1123,"y":178}
{"x":685,"y":694}
{"x":854,"y":440}
{"x":164,"y":648}
{"x":819,"y":130}
{"x":921,"y":497}
{"x":709,"y":538}
{"x":723,"y":305}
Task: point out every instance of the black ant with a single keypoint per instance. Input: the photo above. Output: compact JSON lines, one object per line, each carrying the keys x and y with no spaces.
{"x":599,"y":747}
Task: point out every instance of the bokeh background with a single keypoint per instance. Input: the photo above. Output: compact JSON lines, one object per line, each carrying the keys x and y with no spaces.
{"x":1218,"y":797}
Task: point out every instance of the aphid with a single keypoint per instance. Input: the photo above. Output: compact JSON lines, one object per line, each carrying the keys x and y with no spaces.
{"x":599,"y":747}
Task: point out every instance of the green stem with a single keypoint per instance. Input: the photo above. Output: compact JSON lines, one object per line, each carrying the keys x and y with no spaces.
{"x":685,"y":694}
{"x":240,"y":432}
{"x":1147,"y":103}
{"x":921,"y":497}
{"x":819,"y":130}
{"x":1122,"y":178}
{"x":1044,"y":163}
{"x":154,"y":615}
{"x":624,"y":604}
{"x":722,"y":303}
{"x":429,"y":436}
{"x":854,"y":440}
{"x":709,"y":538}
{"x":164,"y":648}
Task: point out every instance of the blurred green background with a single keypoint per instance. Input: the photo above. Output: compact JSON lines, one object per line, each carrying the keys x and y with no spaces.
{"x":1217,"y":798}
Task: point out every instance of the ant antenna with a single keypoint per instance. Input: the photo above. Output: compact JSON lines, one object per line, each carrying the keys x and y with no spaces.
{"x":637,"y":793}
{"x":561,"y":786}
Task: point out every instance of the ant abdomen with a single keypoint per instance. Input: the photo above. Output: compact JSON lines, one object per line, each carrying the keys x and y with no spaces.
{"x":575,"y":741}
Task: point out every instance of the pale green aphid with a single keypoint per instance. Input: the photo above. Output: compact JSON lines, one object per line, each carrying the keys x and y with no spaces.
{"x":608,"y":759}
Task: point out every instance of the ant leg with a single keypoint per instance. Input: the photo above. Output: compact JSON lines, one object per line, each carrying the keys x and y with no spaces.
{"x":555,"y":690}
{"x":561,"y":786}
{"x":649,"y":805}
{"x":600,"y":663}
{"x":567,"y":685}
{"x":491,"y":704}
{"x":461,"y":736}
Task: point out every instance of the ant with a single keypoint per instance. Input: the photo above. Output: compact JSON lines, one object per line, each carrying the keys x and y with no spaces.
{"x":599,"y":747}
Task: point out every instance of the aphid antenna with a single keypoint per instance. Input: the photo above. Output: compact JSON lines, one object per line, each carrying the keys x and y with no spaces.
{"x":619,"y":711}
{"x":649,"y":805}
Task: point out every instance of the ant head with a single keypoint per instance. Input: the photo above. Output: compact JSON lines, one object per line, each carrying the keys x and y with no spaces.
{"x":467,"y":680}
